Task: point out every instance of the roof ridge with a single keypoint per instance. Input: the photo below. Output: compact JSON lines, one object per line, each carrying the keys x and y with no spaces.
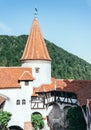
{"x":23,"y":74}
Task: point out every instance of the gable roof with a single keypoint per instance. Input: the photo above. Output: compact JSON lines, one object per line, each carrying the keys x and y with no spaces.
{"x":26,"y":75}
{"x":35,"y":48}
{"x":9,"y":76}
{"x":82,"y":88}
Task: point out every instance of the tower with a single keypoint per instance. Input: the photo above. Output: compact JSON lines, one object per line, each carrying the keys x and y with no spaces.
{"x":36,"y":56}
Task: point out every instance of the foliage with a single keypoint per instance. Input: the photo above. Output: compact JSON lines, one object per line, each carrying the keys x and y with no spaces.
{"x":4,"y":119}
{"x":64,"y":64}
{"x":76,"y":119}
{"x":37,"y":121}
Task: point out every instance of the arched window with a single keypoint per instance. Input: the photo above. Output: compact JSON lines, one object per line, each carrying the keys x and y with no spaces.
{"x":23,"y":101}
{"x":17,"y":102}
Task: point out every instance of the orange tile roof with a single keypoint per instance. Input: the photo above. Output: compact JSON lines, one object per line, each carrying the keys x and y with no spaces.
{"x":35,"y":48}
{"x":26,"y":75}
{"x":34,"y":91}
{"x":2,"y":99}
{"x":43,"y":88}
{"x":9,"y":76}
{"x":82,"y":88}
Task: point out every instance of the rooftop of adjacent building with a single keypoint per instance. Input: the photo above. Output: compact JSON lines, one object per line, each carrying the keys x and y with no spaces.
{"x":82,"y":88}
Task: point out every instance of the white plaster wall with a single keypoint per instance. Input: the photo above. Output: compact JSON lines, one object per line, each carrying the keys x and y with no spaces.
{"x":44,"y":75}
{"x":20,"y":113}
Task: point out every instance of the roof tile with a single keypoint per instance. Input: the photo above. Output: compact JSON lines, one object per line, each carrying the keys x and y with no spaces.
{"x":82,"y":88}
{"x":2,"y":99}
{"x":35,"y":48}
{"x":9,"y":76}
{"x":26,"y":75}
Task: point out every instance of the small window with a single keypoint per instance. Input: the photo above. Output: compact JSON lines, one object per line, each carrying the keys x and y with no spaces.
{"x":23,"y":101}
{"x":18,"y":102}
{"x":37,"y":70}
{"x":26,"y":83}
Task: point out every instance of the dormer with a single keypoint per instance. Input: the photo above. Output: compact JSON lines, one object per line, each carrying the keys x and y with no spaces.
{"x":26,"y":77}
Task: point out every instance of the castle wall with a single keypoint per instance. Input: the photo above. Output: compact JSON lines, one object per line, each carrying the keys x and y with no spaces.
{"x":21,"y":112}
{"x":44,"y":74}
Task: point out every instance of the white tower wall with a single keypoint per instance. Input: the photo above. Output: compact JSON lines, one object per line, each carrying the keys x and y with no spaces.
{"x":44,"y":74}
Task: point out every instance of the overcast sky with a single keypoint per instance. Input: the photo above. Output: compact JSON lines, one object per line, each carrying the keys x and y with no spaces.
{"x":67,"y":23}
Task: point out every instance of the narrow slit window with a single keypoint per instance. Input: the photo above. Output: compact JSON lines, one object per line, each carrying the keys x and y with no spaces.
{"x":37,"y":69}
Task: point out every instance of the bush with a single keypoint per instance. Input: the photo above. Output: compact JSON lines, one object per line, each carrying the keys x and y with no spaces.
{"x":4,"y":119}
{"x":76,"y":119}
{"x":37,"y":121}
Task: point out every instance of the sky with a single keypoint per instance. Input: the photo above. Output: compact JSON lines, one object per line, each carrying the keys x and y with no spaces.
{"x":67,"y":23}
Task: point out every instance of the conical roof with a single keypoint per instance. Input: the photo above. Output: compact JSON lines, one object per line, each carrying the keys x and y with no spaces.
{"x":35,"y":48}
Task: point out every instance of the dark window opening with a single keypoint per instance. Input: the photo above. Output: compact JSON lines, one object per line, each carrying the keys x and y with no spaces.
{"x":26,"y":83}
{"x":18,"y":102}
{"x":23,"y":101}
{"x":37,"y":70}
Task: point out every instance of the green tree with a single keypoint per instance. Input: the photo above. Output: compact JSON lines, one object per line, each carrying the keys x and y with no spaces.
{"x":37,"y":121}
{"x":76,"y":119}
{"x":4,"y":119}
{"x":64,"y":65}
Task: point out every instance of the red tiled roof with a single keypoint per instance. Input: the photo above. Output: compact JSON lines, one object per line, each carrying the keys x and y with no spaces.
{"x":35,"y":48}
{"x":43,"y":88}
{"x":9,"y":76}
{"x":34,"y":91}
{"x":26,"y":75}
{"x":80,"y":87}
{"x":2,"y":99}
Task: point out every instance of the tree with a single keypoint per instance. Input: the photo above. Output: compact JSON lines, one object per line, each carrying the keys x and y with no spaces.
{"x":4,"y":119}
{"x":37,"y":121}
{"x":76,"y":119}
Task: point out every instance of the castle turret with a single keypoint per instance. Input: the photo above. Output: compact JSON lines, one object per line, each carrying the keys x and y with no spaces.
{"x":36,"y":56}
